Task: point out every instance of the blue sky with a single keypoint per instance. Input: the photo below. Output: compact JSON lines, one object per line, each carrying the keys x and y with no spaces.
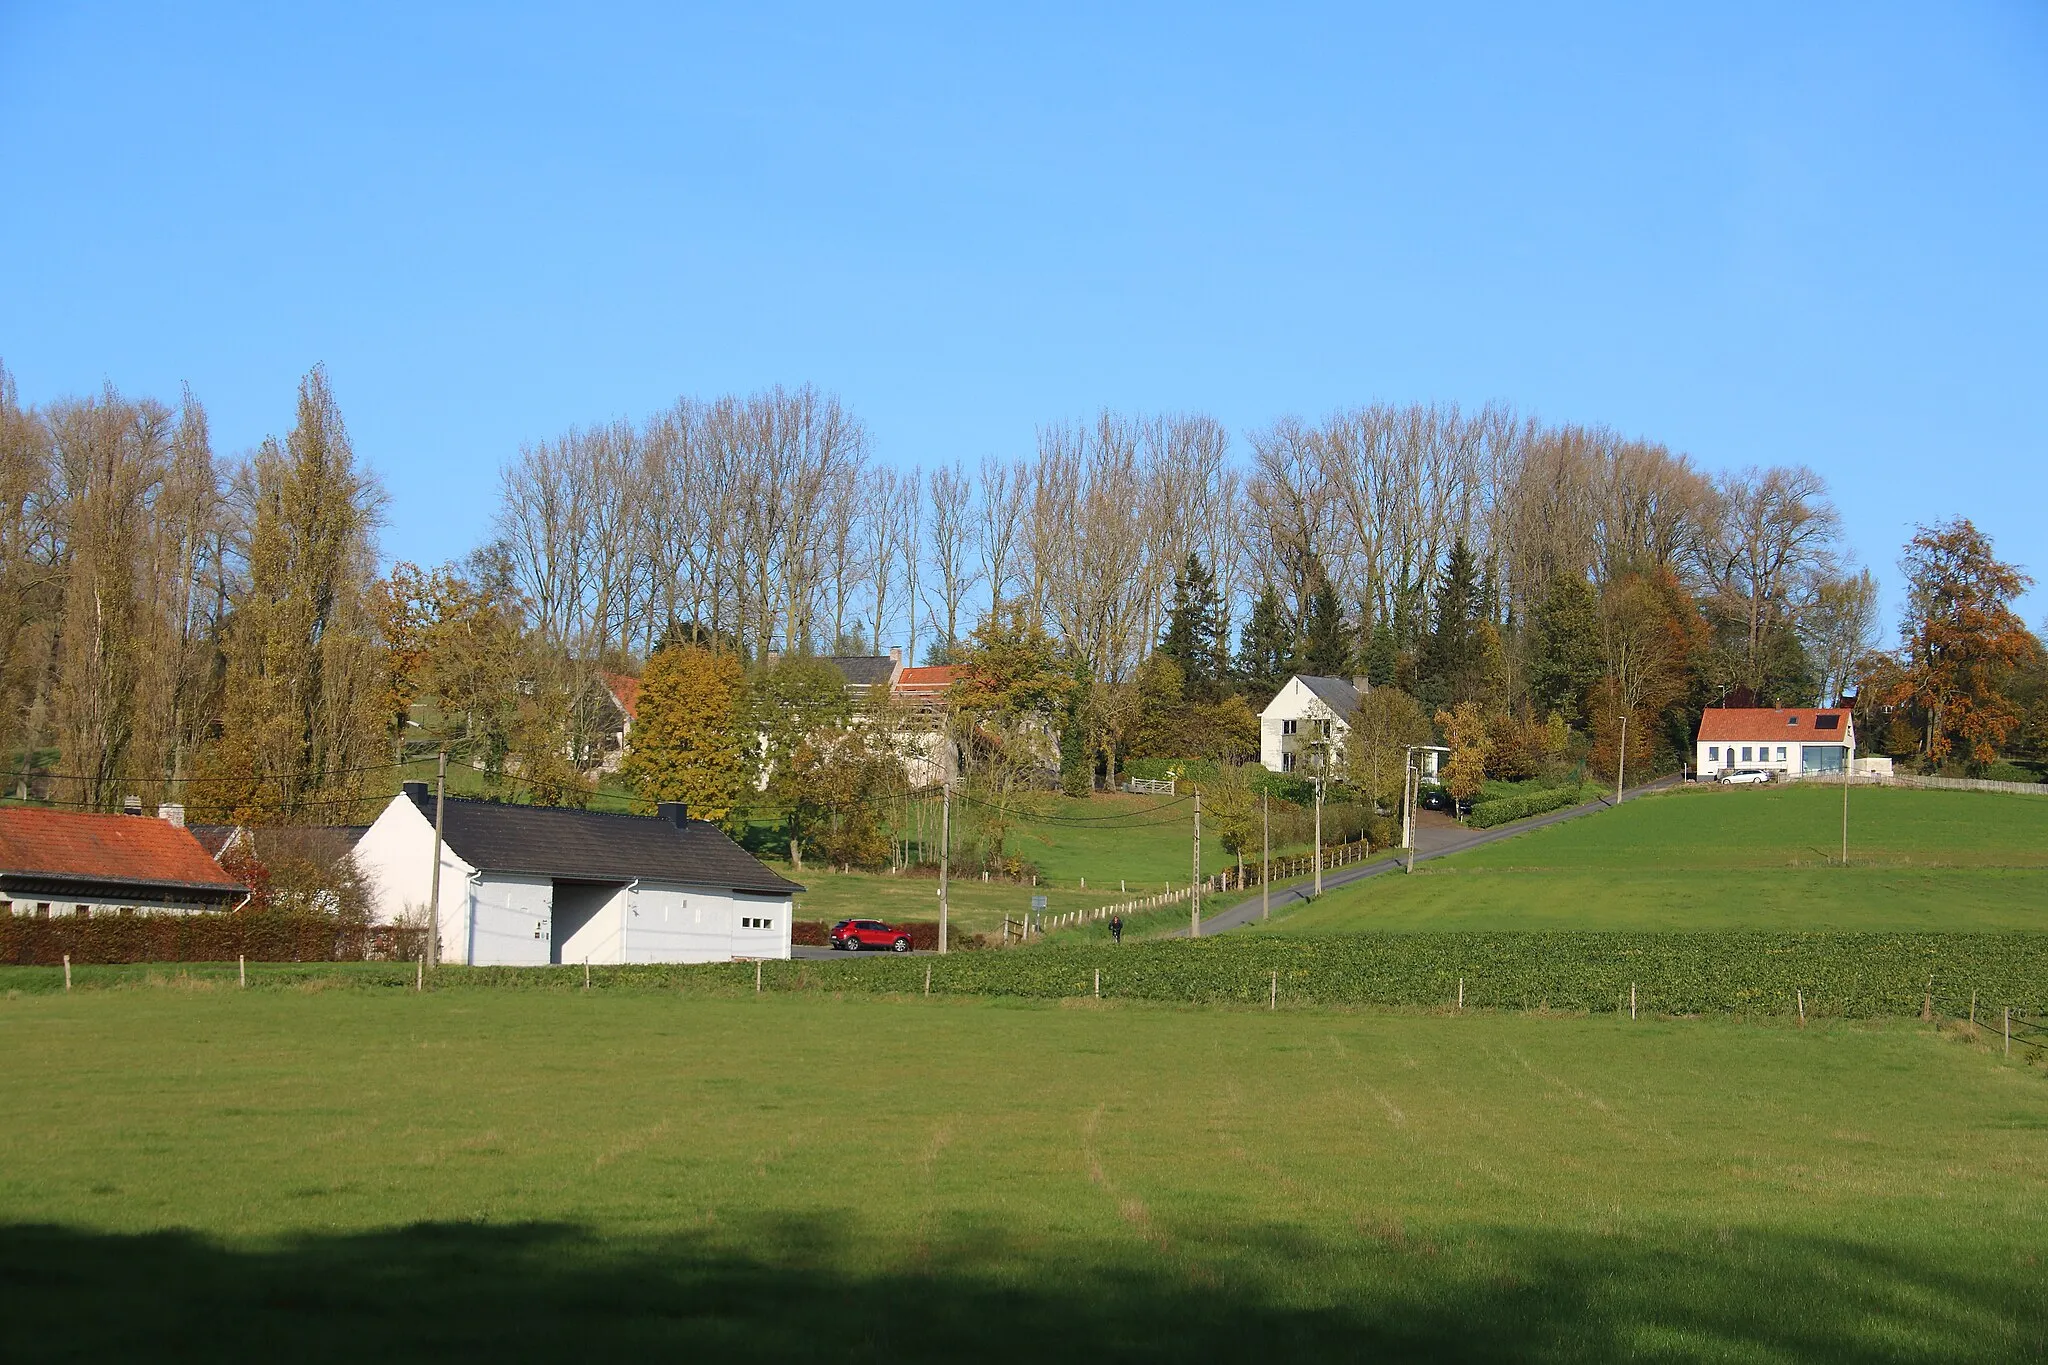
{"x":1762,"y":235}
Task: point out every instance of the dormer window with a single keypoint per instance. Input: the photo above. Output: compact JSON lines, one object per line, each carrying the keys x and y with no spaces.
{"x":1791,"y":720}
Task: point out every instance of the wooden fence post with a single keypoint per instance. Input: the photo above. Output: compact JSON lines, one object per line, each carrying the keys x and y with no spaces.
{"x":2008,"y":1030}
{"x":1631,"y":999}
{"x":928,"y":978}
{"x":1927,"y":1003}
{"x":1275,"y":1003}
{"x":67,"y":972}
{"x":1461,"y":994}
{"x":1098,"y":983}
{"x":1801,"y":993}
{"x":242,"y":969}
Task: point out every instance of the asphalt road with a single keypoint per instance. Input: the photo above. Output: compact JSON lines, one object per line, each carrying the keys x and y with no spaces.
{"x":1440,"y":843}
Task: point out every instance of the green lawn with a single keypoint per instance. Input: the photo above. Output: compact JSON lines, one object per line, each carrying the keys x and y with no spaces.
{"x":1732,"y":858}
{"x":1137,"y":843}
{"x":341,"y":1175}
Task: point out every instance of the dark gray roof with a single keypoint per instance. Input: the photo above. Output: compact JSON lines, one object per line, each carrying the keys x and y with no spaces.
{"x":552,"y":841}
{"x":865,"y":670}
{"x":1336,"y":693}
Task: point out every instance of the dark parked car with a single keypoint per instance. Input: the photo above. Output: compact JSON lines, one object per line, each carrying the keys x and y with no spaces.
{"x":856,"y":934}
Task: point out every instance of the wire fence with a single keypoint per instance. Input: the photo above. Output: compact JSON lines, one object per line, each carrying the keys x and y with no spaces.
{"x":2009,"y":1025}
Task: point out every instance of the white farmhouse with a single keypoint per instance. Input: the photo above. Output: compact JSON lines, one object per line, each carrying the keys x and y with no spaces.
{"x":528,"y":885}
{"x":1785,"y":741}
{"x":1307,"y":712}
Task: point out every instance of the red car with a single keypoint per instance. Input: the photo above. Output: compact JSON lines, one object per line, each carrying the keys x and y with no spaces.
{"x":856,"y":934}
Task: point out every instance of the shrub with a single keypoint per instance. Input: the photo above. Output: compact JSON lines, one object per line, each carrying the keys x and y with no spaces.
{"x":1536,"y":801}
{"x":2007,"y":772}
{"x":209,"y":937}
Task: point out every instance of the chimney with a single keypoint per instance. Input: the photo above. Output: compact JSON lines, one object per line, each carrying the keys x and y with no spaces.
{"x":896,"y":655}
{"x":675,"y":812}
{"x":416,"y":792}
{"x":131,"y":805}
{"x":171,"y":814}
{"x":1361,"y":684}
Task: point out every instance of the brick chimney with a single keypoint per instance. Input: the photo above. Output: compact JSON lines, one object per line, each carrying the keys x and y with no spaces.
{"x":131,"y":805}
{"x":171,"y":813}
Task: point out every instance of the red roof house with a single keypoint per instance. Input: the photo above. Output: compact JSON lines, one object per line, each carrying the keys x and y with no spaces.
{"x":59,"y":862}
{"x":927,"y":684}
{"x":1788,"y":740}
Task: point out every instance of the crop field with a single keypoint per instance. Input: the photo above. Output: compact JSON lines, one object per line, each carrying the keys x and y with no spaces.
{"x":1759,"y":858}
{"x":203,"y":1173}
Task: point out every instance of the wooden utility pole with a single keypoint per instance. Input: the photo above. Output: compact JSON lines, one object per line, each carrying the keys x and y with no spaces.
{"x":434,"y":898}
{"x":1319,"y":832}
{"x":1411,"y":785}
{"x":1266,"y":855}
{"x":945,"y":851}
{"x":1621,"y":759}
{"x":1848,"y":762}
{"x":1195,"y":883}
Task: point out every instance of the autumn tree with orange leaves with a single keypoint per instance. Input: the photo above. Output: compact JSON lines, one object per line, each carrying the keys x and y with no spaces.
{"x":1961,"y":640}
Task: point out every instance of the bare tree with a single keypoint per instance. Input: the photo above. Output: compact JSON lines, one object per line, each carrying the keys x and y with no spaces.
{"x":951,"y":503}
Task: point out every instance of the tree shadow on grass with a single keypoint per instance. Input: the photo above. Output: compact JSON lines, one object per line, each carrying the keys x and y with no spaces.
{"x":551,"y":1291}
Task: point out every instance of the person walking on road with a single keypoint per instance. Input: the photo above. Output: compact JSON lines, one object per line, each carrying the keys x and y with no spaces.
{"x":1116,"y":928}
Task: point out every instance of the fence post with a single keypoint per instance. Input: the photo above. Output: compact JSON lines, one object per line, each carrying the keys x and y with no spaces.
{"x":2008,"y":1030}
{"x":1801,"y":993}
{"x":1631,"y":999}
{"x":1927,"y":1003}
{"x":242,"y":969}
{"x":1098,"y":983}
{"x":928,"y":978}
{"x":67,"y":975}
{"x":1973,"y":1011}
{"x":1275,"y":1004}
{"x":1461,"y":993}
{"x":586,"y":973}
{"x":420,"y":979}
{"x":757,"y":975}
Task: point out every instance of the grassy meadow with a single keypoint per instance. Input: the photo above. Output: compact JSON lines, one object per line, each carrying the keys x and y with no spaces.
{"x":1707,"y":858}
{"x":202,"y":1173}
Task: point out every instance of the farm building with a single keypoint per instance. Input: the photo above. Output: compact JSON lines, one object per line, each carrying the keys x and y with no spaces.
{"x":528,"y":885}
{"x":1784,"y":741}
{"x":69,"y":863}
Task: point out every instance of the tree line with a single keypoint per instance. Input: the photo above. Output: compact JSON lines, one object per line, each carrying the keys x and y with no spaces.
{"x":176,"y":624}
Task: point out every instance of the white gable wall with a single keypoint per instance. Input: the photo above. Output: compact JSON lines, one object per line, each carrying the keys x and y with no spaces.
{"x":396,"y":856}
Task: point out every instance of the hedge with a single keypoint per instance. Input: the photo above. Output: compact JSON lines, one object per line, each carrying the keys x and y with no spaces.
{"x":1487,"y":814}
{"x":1844,"y":975}
{"x":207,"y":937}
{"x":817,"y":933}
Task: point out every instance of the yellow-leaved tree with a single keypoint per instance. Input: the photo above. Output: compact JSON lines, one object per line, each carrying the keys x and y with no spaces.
{"x":1470,"y":740}
{"x":687,"y":743}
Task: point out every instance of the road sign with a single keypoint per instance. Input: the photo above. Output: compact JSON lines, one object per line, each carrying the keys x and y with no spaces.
{"x":1038,"y":902}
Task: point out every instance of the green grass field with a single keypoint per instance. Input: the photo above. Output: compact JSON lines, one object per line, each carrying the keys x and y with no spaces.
{"x":329,"y":1175}
{"x":1109,"y":841}
{"x":1732,"y":858}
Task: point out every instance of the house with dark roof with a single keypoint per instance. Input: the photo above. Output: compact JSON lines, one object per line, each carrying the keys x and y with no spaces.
{"x":1306,"y":722}
{"x":70,"y":863}
{"x":1785,"y":741}
{"x":530,"y":885}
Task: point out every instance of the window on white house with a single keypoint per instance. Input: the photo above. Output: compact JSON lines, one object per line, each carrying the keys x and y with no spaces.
{"x":1745,"y":753}
{"x":1287,"y":727}
{"x":1713,"y":753}
{"x":1781,"y":753}
{"x":1287,"y":763}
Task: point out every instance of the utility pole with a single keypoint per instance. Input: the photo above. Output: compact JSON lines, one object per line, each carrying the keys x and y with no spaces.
{"x":1411,"y":786}
{"x":434,"y":898}
{"x":1319,"y":827}
{"x":1621,"y":759}
{"x":1266,"y":855}
{"x":945,"y":851}
{"x":1848,"y":762}
{"x":1195,"y":884}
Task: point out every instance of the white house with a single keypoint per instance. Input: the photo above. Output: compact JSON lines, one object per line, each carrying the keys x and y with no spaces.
{"x":529,"y":885}
{"x":1788,"y":741}
{"x":1307,"y":712}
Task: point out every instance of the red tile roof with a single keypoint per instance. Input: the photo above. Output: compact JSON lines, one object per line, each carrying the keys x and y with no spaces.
{"x":626,"y":692}
{"x":124,"y":848}
{"x":928,"y":683}
{"x":1779,"y":724}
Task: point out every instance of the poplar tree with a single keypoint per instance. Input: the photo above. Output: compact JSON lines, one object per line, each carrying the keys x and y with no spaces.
{"x":300,"y":712}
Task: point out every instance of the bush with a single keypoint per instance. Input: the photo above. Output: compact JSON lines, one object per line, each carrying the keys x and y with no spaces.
{"x":207,"y":937}
{"x":2007,"y":772}
{"x":1537,"y":801}
{"x":1383,"y":830}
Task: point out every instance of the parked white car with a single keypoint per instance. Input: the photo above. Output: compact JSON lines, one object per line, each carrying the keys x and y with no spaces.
{"x":1744,"y":777}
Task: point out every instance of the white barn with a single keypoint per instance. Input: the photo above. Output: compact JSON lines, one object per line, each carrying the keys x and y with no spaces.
{"x":528,"y":885}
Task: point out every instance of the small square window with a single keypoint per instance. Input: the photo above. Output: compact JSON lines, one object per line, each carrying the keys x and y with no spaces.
{"x":1781,"y":753}
{"x":1713,"y":753}
{"x":1287,"y":727}
{"x":1745,"y":753}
